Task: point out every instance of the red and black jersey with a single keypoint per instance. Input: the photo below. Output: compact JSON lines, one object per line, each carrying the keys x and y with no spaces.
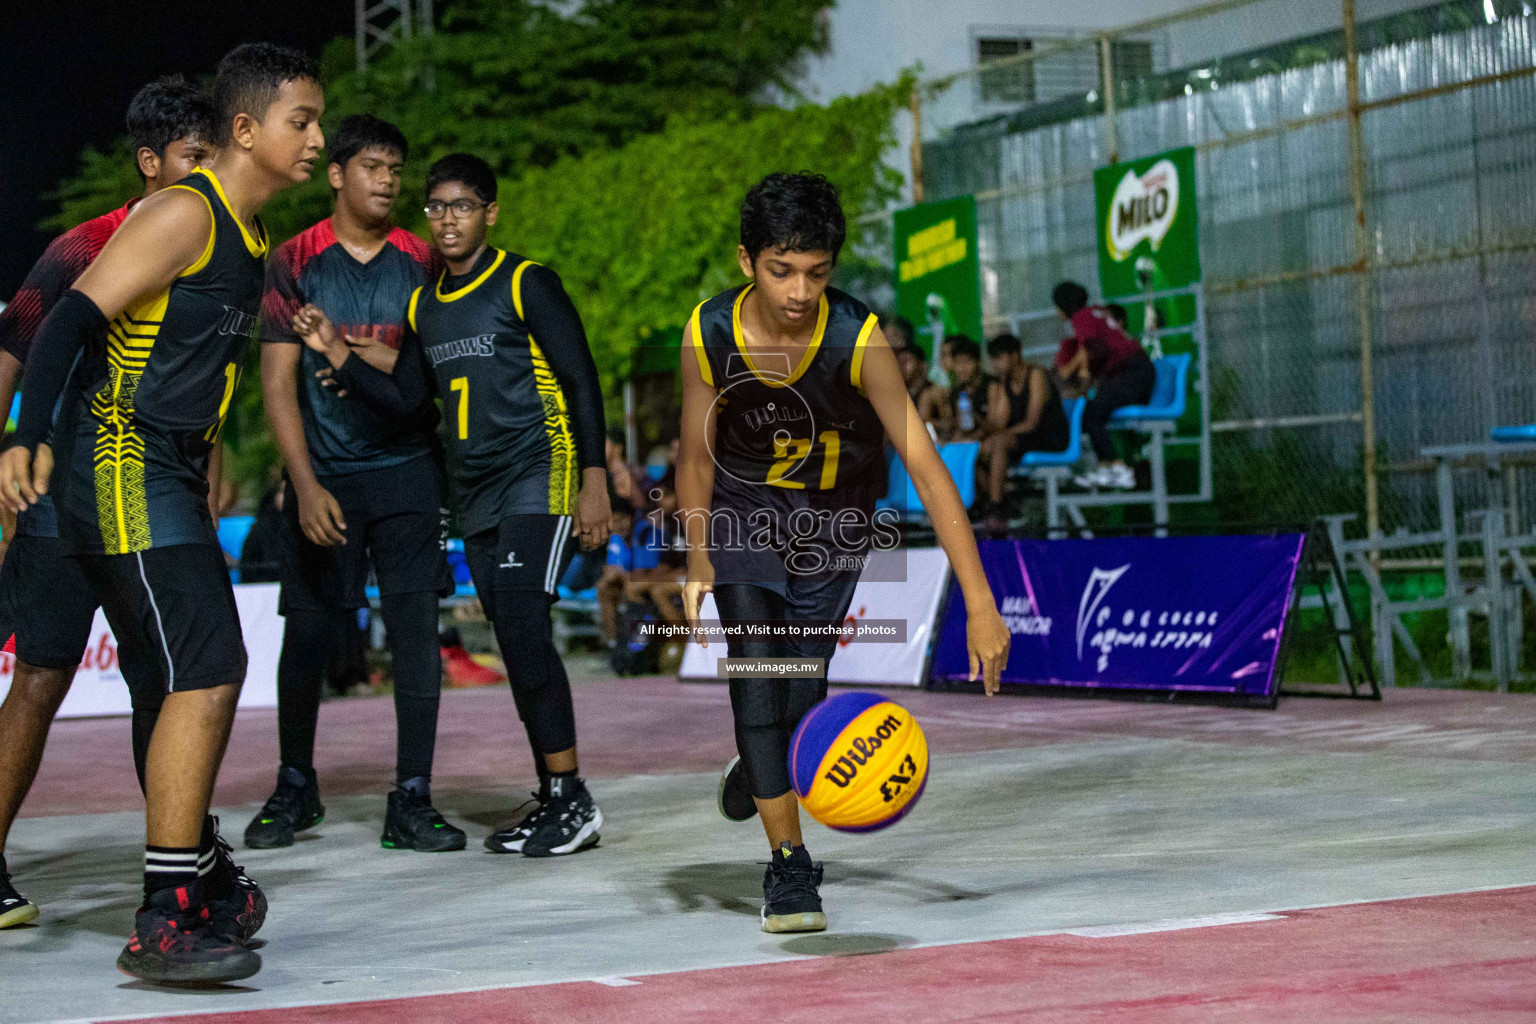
{"x":51,"y":276}
{"x":362,"y":299}
{"x":54,"y":273}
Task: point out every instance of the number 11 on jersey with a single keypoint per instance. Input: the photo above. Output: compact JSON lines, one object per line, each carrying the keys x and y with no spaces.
{"x":461,"y":384}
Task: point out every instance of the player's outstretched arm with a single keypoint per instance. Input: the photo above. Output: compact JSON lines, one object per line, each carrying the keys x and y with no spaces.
{"x":986,"y":634}
{"x":167,"y":233}
{"x":696,"y":481}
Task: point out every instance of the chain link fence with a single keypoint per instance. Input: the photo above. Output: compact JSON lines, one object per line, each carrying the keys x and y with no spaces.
{"x":1369,"y":240}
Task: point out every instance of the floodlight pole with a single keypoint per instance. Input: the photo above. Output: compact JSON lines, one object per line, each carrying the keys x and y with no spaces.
{"x":386,"y":23}
{"x":1363,"y":273}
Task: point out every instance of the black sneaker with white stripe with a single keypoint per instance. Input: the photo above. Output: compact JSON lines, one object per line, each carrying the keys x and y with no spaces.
{"x":15,"y":908}
{"x":568,"y":822}
{"x":510,"y":838}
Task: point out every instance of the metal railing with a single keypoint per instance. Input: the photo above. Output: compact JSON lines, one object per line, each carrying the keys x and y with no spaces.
{"x":1367,"y":225}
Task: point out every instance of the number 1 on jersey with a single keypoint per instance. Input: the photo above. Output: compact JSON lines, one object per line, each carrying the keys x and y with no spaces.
{"x":461,"y":384}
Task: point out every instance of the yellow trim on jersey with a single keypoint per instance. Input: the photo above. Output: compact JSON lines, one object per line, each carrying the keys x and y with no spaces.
{"x":805,"y":359}
{"x":557,"y":420}
{"x":557,"y":426}
{"x":410,"y":310}
{"x":698,"y":346}
{"x":213,"y":233}
{"x":856,"y":368}
{"x":454,"y":296}
{"x":255,"y":246}
{"x":122,"y":509}
{"x":517,"y":288}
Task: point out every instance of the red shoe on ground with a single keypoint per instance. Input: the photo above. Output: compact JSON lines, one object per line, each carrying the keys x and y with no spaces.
{"x":463,"y":671}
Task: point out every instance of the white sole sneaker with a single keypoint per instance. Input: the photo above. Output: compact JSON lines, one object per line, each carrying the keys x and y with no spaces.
{"x":585,"y":837}
{"x":780,"y":923}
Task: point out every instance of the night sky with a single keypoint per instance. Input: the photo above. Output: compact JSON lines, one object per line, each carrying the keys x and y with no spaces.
{"x":68,"y":70}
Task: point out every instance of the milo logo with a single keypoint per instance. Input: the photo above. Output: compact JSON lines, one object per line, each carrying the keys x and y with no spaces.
{"x":1143,"y":209}
{"x":846,"y":768}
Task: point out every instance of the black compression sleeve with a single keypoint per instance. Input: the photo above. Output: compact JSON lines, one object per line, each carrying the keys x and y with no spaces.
{"x":554,"y":323}
{"x":73,"y":320}
{"x":401,"y":393}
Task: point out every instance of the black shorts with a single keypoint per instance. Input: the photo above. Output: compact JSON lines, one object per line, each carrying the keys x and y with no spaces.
{"x":526,"y":552}
{"x":46,"y":601}
{"x":173,"y":612}
{"x":396,"y":519}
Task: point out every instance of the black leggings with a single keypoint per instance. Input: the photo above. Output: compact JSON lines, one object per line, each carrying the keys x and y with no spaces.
{"x":540,"y":687}
{"x":1131,"y":385}
{"x":410,"y":628}
{"x":766,"y":710}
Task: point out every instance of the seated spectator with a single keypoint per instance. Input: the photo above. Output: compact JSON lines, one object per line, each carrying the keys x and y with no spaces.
{"x":1024,"y":415}
{"x":610,"y":587}
{"x":1104,"y":359}
{"x":926,"y":396}
{"x":624,"y":482}
{"x":961,"y":413}
{"x":658,"y":566}
{"x":1119,"y":316}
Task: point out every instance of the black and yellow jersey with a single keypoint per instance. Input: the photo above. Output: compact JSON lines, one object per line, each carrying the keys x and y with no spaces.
{"x":791,"y":437}
{"x":510,"y":443}
{"x":149,"y":398}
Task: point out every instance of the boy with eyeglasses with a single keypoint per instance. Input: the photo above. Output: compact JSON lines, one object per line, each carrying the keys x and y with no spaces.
{"x":499,"y":341}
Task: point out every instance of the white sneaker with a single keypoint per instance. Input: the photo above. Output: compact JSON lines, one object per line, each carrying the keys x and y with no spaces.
{"x":1099,"y":476}
{"x":1122,"y":478}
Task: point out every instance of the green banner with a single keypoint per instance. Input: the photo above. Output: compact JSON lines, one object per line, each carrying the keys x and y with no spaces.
{"x":1148,"y":224}
{"x":938,"y":274}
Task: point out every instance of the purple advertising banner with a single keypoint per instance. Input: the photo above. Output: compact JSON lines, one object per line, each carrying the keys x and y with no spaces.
{"x":1200,"y":614}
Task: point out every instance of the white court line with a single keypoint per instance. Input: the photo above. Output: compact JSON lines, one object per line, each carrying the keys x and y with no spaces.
{"x":615,"y":982}
{"x":782,"y":958}
{"x":1112,"y":931}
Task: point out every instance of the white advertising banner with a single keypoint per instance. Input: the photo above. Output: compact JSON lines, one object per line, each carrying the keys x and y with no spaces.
{"x":99,"y":688}
{"x":913,"y":595}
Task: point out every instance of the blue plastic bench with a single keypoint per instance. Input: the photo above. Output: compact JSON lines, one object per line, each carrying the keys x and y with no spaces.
{"x":1053,"y":467}
{"x":1525,"y":433}
{"x":959,"y":458}
{"x":1170,"y":395}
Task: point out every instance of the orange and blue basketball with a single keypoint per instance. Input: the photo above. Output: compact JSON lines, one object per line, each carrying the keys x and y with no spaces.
{"x":858,"y":762}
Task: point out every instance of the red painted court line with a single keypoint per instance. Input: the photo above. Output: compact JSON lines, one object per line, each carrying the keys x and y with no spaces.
{"x":1460,"y":959}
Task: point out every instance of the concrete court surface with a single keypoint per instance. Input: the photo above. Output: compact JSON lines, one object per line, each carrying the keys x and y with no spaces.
{"x":1071,"y":861}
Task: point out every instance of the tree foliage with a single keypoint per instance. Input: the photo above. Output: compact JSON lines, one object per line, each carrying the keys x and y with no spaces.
{"x":642,"y":234}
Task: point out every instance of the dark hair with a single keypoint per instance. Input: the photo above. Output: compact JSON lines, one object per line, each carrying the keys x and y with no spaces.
{"x":249,"y":78}
{"x":358,"y":132}
{"x":466,"y":169}
{"x":794,"y":212}
{"x":1118,"y":313}
{"x":621,"y":507}
{"x":166,"y":110}
{"x":1070,"y":297}
{"x":1002,"y":345}
{"x":901,"y":326}
{"x":961,"y":345}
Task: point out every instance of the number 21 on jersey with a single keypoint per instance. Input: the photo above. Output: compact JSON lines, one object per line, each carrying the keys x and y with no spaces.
{"x":791,"y":452}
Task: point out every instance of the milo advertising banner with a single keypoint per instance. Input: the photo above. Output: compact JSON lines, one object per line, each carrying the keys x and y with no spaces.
{"x":1148,"y":224}
{"x":1149,"y":241}
{"x":938,"y":273}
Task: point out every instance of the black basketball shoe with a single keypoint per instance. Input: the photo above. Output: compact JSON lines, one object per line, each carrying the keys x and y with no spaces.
{"x":734,"y":796}
{"x":791,"y":892}
{"x":173,"y":942}
{"x":15,"y":908}
{"x":510,"y":838}
{"x":236,"y":905}
{"x":293,"y":807}
{"x":568,"y":821}
{"x":412,"y":823}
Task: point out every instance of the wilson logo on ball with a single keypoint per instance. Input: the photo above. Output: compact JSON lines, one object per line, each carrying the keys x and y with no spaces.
{"x":858,"y":762}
